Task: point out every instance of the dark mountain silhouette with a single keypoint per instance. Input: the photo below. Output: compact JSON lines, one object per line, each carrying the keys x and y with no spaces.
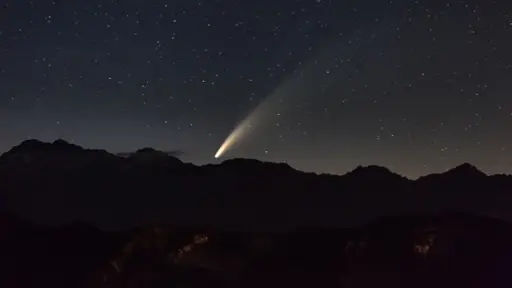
{"x":150,"y":154}
{"x":374,"y":173}
{"x":459,"y":173}
{"x":59,"y":182}
{"x":243,"y":223}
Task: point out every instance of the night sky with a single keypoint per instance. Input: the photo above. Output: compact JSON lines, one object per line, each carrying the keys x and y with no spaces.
{"x":417,"y":86}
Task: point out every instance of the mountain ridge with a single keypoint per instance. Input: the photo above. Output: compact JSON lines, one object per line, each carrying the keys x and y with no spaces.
{"x":60,"y":181}
{"x":60,"y":145}
{"x":75,"y":216}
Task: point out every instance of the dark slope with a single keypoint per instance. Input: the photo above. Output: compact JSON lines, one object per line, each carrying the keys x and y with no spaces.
{"x":451,"y":250}
{"x":68,"y":186}
{"x":61,"y":182}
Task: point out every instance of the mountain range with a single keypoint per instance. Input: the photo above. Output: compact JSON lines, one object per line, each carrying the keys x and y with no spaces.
{"x":76,"y":217}
{"x":57,"y":183}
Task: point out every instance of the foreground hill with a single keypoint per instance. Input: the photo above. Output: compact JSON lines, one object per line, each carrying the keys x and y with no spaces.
{"x":57,"y":183}
{"x":408,"y":251}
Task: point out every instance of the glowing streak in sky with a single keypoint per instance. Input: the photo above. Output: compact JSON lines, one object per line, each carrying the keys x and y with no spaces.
{"x":245,"y":127}
{"x":300,"y":84}
{"x":238,"y":133}
{"x":262,"y":113}
{"x":234,"y":137}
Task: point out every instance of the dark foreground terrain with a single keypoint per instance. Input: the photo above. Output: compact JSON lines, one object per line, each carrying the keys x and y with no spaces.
{"x":88,"y":218}
{"x":58,"y":183}
{"x":408,"y":251}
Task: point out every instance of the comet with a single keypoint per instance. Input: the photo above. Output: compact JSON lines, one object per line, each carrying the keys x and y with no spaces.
{"x":228,"y":143}
{"x":304,"y":81}
{"x":233,"y":138}
{"x":258,"y":116}
{"x":237,"y":135}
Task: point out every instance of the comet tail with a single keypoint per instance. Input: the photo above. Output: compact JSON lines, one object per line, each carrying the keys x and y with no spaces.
{"x":234,"y":137}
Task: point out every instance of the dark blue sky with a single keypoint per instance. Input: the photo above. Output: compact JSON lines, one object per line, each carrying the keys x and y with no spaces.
{"x":418,"y":86}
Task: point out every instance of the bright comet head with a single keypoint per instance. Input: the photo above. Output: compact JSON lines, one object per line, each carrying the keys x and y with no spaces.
{"x":220,"y":151}
{"x":236,"y":135}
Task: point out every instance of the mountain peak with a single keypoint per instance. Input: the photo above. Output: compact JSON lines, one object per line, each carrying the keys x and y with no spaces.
{"x":61,"y":142}
{"x":59,"y":153}
{"x":466,"y":169}
{"x":460,"y":173}
{"x":29,"y":144}
{"x":35,"y":146}
{"x":152,"y":152}
{"x":26,"y":147}
{"x":147,"y":150}
{"x":373,"y":171}
{"x":152,"y":156}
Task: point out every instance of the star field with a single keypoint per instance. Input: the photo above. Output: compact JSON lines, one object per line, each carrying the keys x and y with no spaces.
{"x":417,"y":86}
